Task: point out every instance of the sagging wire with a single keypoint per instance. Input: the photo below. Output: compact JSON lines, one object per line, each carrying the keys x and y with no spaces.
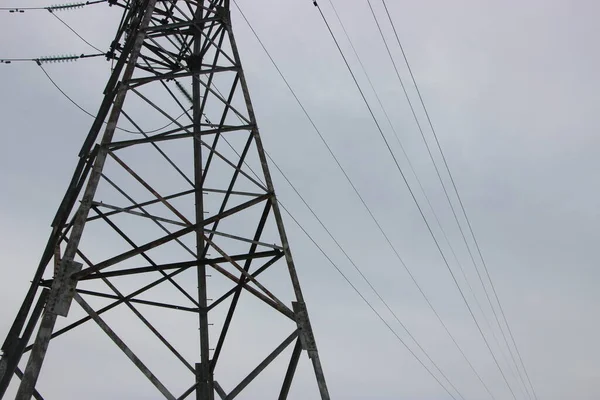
{"x":40,"y":64}
{"x":62,"y":7}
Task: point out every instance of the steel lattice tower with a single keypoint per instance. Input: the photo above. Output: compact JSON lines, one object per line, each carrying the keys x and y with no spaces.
{"x":155,"y":221}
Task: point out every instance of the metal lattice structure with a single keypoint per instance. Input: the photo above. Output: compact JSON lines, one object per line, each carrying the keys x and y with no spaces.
{"x":157,"y":220}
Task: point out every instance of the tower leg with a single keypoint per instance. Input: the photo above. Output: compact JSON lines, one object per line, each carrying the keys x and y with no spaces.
{"x":205,"y":389}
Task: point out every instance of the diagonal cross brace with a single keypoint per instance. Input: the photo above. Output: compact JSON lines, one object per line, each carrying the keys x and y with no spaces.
{"x":138,"y":363}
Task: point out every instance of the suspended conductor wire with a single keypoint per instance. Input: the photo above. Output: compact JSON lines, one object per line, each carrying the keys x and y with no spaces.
{"x":53,"y":9}
{"x":360,"y":196}
{"x":458,"y":196}
{"x":451,"y":206}
{"x":411,"y":167}
{"x":364,"y":299}
{"x":63,"y":92}
{"x":93,"y":116}
{"x":73,"y":30}
{"x":445,"y":236}
{"x":415,"y":200}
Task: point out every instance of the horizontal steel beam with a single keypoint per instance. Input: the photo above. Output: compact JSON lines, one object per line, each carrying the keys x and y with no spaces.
{"x":184,"y":264}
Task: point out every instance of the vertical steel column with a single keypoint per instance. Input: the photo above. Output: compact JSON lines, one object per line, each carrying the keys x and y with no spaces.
{"x":204,"y":390}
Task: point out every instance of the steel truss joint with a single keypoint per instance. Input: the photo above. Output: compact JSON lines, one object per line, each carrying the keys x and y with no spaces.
{"x":63,"y":288}
{"x":307,"y":337}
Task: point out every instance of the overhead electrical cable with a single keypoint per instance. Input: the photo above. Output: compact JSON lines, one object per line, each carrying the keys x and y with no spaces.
{"x":64,"y":94}
{"x":422,"y":189}
{"x":93,"y":116}
{"x":458,"y":197}
{"x":450,"y":204}
{"x":416,"y":119}
{"x":61,"y":7}
{"x":363,"y":201}
{"x":415,"y":200}
{"x":74,"y":31}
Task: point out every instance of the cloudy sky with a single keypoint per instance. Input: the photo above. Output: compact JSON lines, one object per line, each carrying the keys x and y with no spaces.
{"x":512,"y":91}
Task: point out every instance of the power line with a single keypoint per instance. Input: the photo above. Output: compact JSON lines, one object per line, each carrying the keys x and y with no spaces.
{"x":425,"y":195}
{"x":414,"y":198}
{"x":411,"y":167}
{"x":360,"y":196}
{"x":64,"y":94}
{"x":459,"y":199}
{"x":451,"y":206}
{"x":62,"y":7}
{"x":93,"y":116}
{"x":416,"y":119}
{"x":73,"y":30}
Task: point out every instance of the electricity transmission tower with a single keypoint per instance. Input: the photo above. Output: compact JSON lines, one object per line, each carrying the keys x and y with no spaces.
{"x":169,"y":237}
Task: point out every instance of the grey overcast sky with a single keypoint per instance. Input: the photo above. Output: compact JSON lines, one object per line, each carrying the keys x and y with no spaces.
{"x":512,"y":90}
